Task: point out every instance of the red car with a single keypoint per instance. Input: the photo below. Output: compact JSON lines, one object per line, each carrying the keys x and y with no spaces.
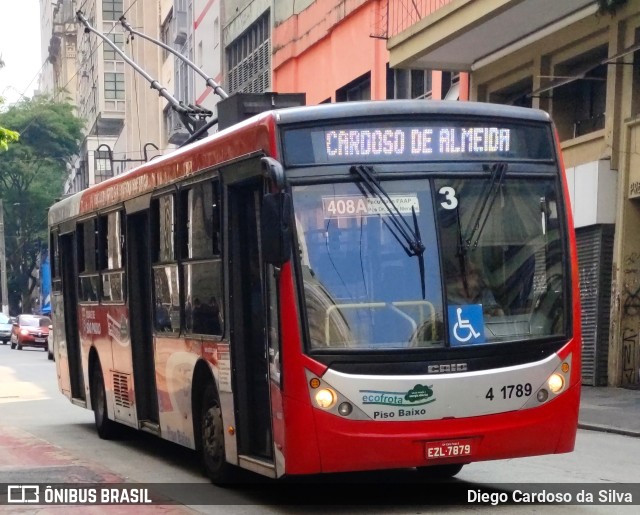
{"x":30,"y":331}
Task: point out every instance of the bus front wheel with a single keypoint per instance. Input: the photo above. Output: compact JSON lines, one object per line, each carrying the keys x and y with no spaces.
{"x":436,"y":472}
{"x":107,"y":429}
{"x":212,"y":439}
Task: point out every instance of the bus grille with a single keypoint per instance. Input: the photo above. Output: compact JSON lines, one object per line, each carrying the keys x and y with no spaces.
{"x":121,"y":390}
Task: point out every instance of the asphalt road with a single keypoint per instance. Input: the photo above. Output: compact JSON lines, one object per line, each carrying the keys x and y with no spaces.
{"x":32,"y":409}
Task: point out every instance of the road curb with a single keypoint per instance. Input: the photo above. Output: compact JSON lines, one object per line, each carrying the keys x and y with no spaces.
{"x":609,"y":429}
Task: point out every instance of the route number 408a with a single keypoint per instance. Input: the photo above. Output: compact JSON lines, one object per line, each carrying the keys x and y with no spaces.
{"x":510,"y":391}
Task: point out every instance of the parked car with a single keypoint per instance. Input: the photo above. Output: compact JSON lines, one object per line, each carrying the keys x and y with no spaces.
{"x":5,"y":328}
{"x":30,"y":331}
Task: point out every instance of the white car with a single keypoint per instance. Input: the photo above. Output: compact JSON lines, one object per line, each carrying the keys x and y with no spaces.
{"x":5,"y":328}
{"x":50,"y":344}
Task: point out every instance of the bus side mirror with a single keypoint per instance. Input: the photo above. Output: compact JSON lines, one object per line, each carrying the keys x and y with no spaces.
{"x":276,"y":228}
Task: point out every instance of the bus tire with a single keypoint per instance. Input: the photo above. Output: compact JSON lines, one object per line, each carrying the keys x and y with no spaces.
{"x":107,"y":429}
{"x":436,"y":472}
{"x":211,"y":436}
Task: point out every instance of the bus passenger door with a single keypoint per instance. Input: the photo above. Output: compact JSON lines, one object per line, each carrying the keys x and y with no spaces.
{"x":248,"y":329}
{"x":140,"y":319}
{"x":70,"y":308}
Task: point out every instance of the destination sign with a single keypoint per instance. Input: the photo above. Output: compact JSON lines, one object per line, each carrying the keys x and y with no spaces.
{"x":365,"y":142}
{"x":412,"y":142}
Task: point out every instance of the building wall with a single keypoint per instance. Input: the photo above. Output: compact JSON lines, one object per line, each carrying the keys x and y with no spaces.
{"x":207,"y":49}
{"x":143,"y":106}
{"x":239,"y":15}
{"x":602,"y":164}
{"x":45,"y":84}
{"x":326,"y":46}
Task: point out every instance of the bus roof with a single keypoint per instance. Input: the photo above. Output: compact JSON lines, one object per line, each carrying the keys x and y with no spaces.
{"x":258,"y":135}
{"x":436,"y":108}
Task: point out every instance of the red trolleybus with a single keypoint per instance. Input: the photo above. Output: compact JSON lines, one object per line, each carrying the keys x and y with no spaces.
{"x":334,"y":288}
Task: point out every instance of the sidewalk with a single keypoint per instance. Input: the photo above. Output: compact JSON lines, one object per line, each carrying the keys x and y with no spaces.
{"x":28,"y":460}
{"x":614,"y":410}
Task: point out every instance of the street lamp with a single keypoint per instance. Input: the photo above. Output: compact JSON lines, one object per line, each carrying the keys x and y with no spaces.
{"x":146,"y":157}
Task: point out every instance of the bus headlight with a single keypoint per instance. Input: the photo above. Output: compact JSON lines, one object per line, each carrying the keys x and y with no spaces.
{"x":325,"y":398}
{"x":556,"y":383}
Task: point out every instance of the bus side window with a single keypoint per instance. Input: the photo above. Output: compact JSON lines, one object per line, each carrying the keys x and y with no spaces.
{"x":87,"y":254}
{"x":200,"y":253}
{"x":166,"y":284}
{"x":110,"y":261}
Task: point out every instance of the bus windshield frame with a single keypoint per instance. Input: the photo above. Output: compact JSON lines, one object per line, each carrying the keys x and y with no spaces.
{"x":483,"y":224}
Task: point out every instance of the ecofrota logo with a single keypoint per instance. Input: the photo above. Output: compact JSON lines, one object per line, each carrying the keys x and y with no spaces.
{"x":417,"y":396}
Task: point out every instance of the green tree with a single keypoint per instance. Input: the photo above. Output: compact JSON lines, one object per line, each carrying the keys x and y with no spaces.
{"x":32,"y":174}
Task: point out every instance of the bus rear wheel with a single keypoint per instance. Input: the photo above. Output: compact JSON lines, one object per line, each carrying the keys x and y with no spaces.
{"x":436,"y":472}
{"x":212,"y":439}
{"x":107,"y":429}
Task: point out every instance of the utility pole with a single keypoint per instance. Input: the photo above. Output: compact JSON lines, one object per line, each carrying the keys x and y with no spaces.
{"x":3,"y":264}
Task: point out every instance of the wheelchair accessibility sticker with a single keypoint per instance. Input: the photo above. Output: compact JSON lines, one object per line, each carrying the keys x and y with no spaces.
{"x":466,"y":324}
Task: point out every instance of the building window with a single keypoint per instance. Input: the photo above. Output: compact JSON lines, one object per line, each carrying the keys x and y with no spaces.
{"x":420,"y":83}
{"x":111,"y":9}
{"x":184,"y":81}
{"x":516,"y":94}
{"x":358,"y":89}
{"x":108,"y":52}
{"x":635,"y":71}
{"x":114,"y":86}
{"x":249,"y":59}
{"x":103,"y":165}
{"x":165,"y":34}
{"x":402,"y":83}
{"x":578,"y":106}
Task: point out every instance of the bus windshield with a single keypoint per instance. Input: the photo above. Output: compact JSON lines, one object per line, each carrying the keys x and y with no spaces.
{"x":492,"y":265}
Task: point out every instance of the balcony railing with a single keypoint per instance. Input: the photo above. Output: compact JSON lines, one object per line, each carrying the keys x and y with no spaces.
{"x":398,"y":15}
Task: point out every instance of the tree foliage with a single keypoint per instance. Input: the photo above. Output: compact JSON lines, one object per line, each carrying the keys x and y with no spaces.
{"x":32,"y":174}
{"x":6,"y":136}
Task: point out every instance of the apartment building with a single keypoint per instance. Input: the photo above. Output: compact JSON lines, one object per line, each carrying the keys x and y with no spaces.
{"x":579,"y":60}
{"x":127,"y":122}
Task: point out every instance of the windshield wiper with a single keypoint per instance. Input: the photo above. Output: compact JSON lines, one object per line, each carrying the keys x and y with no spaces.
{"x":486,"y":199}
{"x":408,"y":237}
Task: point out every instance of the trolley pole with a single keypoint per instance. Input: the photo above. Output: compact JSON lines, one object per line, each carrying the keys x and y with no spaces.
{"x":3,"y":264}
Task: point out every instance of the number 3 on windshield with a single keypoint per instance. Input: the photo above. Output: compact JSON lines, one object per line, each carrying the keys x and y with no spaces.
{"x":451,"y":201}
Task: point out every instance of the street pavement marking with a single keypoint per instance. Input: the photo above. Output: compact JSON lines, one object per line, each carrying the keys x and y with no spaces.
{"x":12,"y":390}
